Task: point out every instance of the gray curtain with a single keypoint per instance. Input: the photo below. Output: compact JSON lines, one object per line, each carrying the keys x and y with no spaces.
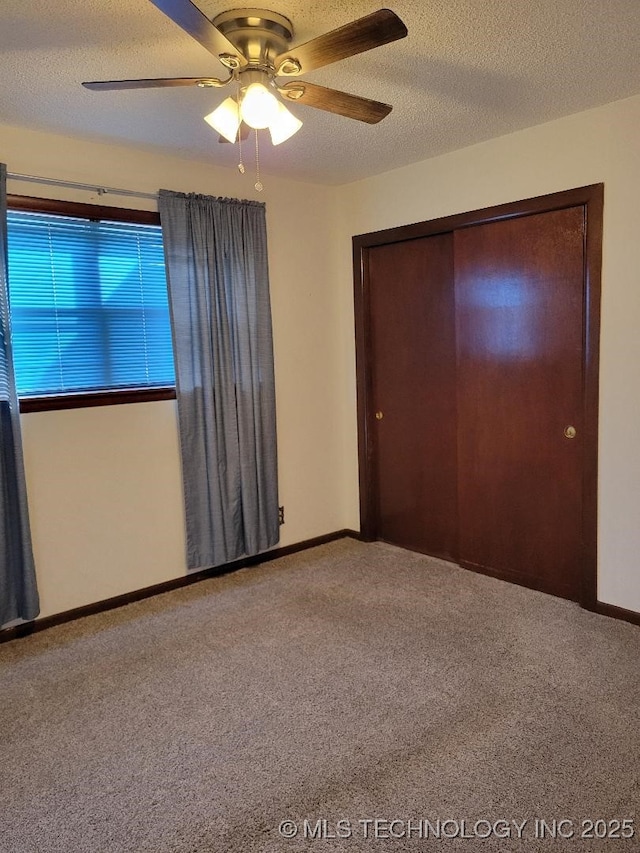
{"x":217,"y":274}
{"x":18,"y":592}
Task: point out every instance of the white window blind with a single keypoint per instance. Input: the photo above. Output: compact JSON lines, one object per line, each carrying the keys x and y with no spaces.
{"x":88,"y":302}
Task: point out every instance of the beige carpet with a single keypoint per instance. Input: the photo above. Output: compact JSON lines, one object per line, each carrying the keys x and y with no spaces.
{"x":348,"y":683}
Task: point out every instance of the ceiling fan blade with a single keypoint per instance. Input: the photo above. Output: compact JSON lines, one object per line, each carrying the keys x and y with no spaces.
{"x":373,"y":30}
{"x":159,"y":83}
{"x":198,"y":26}
{"x":333,"y":101}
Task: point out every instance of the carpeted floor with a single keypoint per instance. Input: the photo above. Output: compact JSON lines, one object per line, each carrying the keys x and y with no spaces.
{"x":348,"y":683}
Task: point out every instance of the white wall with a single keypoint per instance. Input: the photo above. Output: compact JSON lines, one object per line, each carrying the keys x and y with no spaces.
{"x":600,"y":145}
{"x":104,"y":483}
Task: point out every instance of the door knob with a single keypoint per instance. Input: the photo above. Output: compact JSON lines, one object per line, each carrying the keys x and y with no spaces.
{"x":379,"y":416}
{"x":570,"y":432}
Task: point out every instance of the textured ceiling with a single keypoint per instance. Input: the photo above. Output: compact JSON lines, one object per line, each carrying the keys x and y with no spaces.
{"x":469,"y":70}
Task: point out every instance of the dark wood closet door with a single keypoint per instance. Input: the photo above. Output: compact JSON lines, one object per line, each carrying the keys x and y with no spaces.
{"x":519,"y":325}
{"x":413,"y":419}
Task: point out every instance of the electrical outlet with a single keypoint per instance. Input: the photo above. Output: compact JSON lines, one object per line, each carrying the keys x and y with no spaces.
{"x":281,"y":514}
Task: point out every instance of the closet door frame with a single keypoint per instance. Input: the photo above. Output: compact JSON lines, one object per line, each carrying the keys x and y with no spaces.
{"x":592,"y":198}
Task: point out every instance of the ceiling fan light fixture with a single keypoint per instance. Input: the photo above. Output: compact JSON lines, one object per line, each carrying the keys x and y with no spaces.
{"x":284,"y":125}
{"x":253,"y":44}
{"x":259,"y":107}
{"x":225,"y":119}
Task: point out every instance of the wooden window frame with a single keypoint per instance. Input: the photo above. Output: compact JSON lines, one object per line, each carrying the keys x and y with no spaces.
{"x":111,"y":397}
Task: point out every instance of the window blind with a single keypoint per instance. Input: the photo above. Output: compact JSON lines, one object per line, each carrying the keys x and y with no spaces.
{"x":88,"y":304}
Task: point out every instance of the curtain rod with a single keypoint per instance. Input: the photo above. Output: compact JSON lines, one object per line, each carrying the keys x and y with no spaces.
{"x":78,"y":186}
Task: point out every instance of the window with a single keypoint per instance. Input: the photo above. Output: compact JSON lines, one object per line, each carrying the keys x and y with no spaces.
{"x":89,"y":306}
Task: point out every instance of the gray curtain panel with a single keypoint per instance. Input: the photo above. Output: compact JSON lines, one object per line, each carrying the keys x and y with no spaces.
{"x":218,"y":279}
{"x":18,"y":591}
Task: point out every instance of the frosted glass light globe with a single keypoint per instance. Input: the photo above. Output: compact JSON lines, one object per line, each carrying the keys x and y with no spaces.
{"x":259,"y":107}
{"x":284,"y":125}
{"x":225,"y":119}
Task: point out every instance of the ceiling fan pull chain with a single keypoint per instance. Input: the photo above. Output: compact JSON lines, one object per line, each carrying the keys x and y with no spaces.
{"x":258,"y":183}
{"x":241,"y":163}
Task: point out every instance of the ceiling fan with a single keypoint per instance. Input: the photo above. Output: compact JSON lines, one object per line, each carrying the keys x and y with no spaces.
{"x":253,"y":45}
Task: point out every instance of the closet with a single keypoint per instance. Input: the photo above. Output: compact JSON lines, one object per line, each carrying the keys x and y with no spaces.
{"x":476,"y":345}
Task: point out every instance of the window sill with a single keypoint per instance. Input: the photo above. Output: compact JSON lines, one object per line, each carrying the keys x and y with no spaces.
{"x":95,"y":398}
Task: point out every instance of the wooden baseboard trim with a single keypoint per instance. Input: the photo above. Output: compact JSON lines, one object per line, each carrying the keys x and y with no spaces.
{"x":586,"y":603}
{"x":515,"y":578}
{"x":177,"y":583}
{"x":616,"y":612}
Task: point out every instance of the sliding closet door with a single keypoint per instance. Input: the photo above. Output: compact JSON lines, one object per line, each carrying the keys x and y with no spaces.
{"x":519,"y":317}
{"x":413,"y":418}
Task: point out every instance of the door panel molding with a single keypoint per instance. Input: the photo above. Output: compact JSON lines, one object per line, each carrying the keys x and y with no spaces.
{"x":592,"y":198}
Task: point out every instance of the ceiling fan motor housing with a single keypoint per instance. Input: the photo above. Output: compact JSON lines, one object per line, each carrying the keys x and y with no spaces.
{"x":259,"y":34}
